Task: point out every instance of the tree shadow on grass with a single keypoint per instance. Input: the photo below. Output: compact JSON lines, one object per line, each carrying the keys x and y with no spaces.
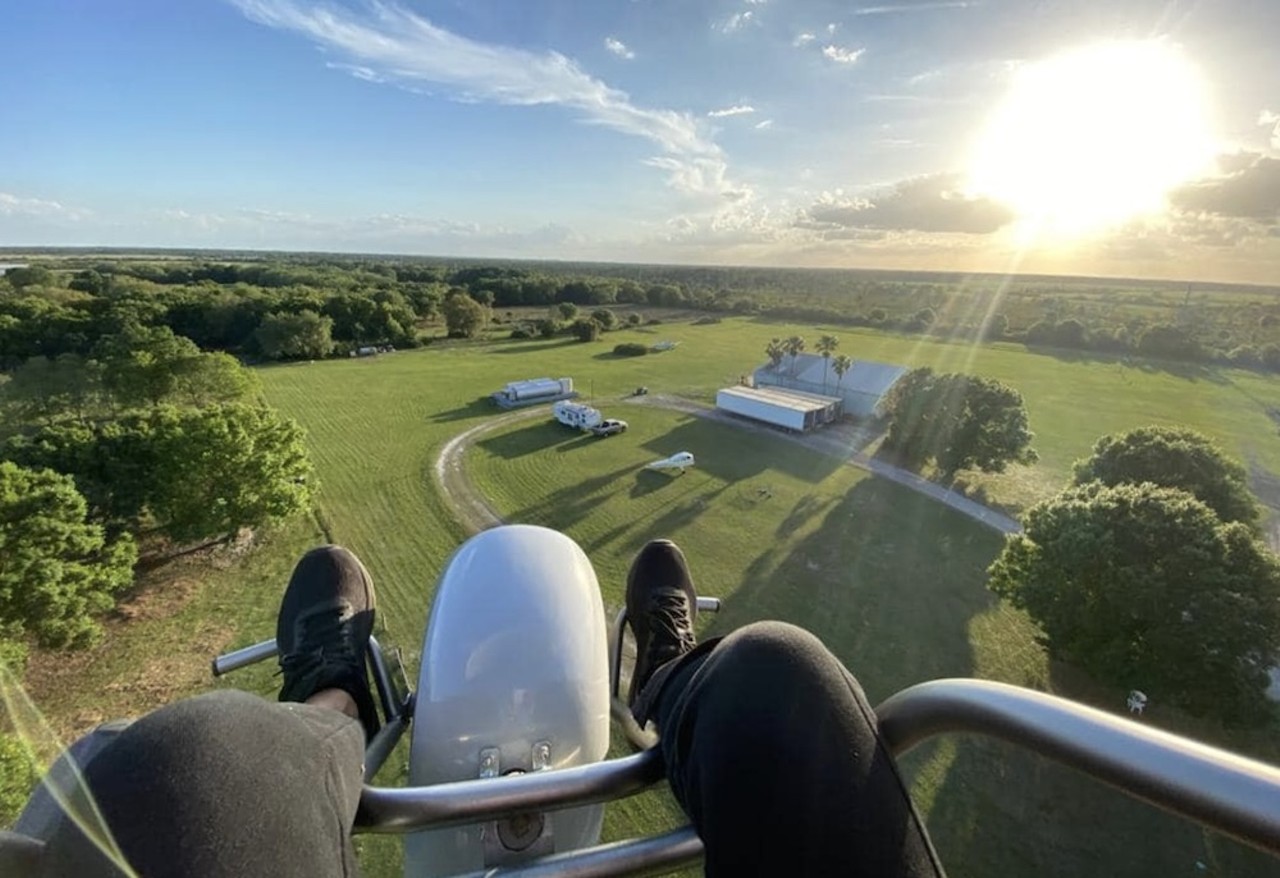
{"x":676,"y":515}
{"x":889,"y":581}
{"x":1188,"y":371}
{"x":733,"y":454}
{"x":572,"y":503}
{"x":807,"y":508}
{"x":650,"y":480}
{"x":536,"y":437}
{"x":533,"y":347}
{"x":474,"y":409}
{"x":1003,"y":810}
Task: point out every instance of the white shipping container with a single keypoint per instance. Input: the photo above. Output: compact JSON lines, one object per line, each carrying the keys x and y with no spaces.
{"x":536,"y":387}
{"x":760,"y":409}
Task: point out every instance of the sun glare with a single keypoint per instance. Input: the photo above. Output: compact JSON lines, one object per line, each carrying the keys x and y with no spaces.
{"x":1094,"y":136}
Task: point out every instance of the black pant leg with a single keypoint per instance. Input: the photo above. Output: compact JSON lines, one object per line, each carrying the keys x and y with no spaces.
{"x":773,"y":751}
{"x":224,"y":784}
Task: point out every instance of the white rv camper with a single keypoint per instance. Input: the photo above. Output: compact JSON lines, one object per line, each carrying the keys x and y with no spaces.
{"x":576,"y":415}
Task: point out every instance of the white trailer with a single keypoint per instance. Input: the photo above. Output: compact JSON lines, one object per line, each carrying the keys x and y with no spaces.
{"x":789,"y":409}
{"x":576,"y":415}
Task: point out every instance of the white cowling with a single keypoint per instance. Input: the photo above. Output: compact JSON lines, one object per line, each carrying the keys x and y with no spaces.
{"x":515,"y":655}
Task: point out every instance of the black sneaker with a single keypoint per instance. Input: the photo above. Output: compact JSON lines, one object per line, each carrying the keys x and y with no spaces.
{"x":322,"y":632}
{"x":661,"y":608}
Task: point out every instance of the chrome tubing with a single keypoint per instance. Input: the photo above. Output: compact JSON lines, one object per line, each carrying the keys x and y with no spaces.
{"x":381,"y":745}
{"x":240,"y":658}
{"x":1232,"y":794}
{"x":656,"y":855}
{"x":391,"y":810}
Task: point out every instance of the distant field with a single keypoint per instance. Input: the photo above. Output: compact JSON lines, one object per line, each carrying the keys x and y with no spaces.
{"x":893,"y":583}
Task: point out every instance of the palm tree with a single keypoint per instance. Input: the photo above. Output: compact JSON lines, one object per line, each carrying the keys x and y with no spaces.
{"x":775,"y":350}
{"x":826,"y":346}
{"x":794,"y":346}
{"x":841,"y":364}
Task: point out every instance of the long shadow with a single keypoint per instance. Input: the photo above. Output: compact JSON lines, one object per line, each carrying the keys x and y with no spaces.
{"x":889,"y":581}
{"x":732,"y":454}
{"x":536,"y":437}
{"x":807,"y":508}
{"x":1003,"y":810}
{"x":676,"y":515}
{"x":527,"y":347}
{"x":572,"y":503}
{"x":648,"y":480}
{"x":477,"y":408}
{"x":1189,"y":371}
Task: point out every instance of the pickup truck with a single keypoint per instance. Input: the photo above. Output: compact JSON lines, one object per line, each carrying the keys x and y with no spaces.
{"x":609,"y":426}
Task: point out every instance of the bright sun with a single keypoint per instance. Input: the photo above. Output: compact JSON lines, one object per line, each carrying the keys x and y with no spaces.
{"x":1094,"y":136}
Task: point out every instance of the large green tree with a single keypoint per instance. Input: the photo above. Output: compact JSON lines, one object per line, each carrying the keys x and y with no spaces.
{"x":189,"y":474}
{"x":57,"y":570}
{"x":957,"y":421}
{"x":147,"y":366}
{"x":1143,"y":586}
{"x":226,"y":467}
{"x":1175,"y":457}
{"x":304,"y":335}
{"x":464,"y":317}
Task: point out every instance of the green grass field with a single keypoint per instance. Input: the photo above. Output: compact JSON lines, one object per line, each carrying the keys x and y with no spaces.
{"x":893,"y":583}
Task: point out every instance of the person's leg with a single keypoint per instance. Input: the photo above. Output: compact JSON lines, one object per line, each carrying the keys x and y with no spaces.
{"x":773,"y":751}
{"x":770,"y":745}
{"x":224,"y":784}
{"x":230,"y":784}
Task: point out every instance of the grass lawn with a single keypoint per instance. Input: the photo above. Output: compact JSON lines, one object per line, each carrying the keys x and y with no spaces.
{"x":894,"y":584}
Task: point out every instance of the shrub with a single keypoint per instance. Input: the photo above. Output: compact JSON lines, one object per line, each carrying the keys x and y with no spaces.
{"x":630,"y":349}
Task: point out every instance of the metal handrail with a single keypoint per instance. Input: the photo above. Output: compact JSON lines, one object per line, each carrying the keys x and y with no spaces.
{"x":1232,"y":794}
{"x":655,"y":855}
{"x":405,"y":809}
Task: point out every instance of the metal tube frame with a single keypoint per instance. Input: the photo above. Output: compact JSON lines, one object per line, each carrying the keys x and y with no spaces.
{"x":1234,"y":795}
{"x":1231,"y":794}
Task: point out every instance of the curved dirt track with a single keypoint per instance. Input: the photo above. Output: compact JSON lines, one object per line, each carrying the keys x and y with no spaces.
{"x":475,"y":514}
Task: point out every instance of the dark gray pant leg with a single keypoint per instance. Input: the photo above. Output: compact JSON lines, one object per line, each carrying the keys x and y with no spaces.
{"x":773,"y":751}
{"x":224,"y":784}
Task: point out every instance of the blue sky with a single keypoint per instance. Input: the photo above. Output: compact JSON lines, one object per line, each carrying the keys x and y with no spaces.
{"x":782,"y":132}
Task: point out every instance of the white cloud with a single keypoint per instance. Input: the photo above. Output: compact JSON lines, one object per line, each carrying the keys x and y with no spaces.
{"x":1271,"y":119}
{"x":767,"y":123}
{"x":841,"y":55}
{"x":736,"y":110}
{"x":738,"y":21}
{"x":618,"y":47}
{"x":397,"y":45}
{"x":39,"y":208}
{"x":803,"y":39}
{"x":831,"y":28}
{"x":915,"y":7}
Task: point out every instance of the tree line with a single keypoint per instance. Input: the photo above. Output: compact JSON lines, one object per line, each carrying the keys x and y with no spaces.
{"x":290,"y":308}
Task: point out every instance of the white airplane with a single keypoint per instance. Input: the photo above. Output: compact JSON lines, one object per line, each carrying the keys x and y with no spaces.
{"x":681,"y":461}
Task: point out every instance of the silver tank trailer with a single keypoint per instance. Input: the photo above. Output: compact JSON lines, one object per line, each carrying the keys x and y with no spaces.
{"x":514,"y":678}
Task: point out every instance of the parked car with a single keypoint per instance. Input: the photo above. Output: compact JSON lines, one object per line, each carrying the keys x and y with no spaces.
{"x":609,"y":426}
